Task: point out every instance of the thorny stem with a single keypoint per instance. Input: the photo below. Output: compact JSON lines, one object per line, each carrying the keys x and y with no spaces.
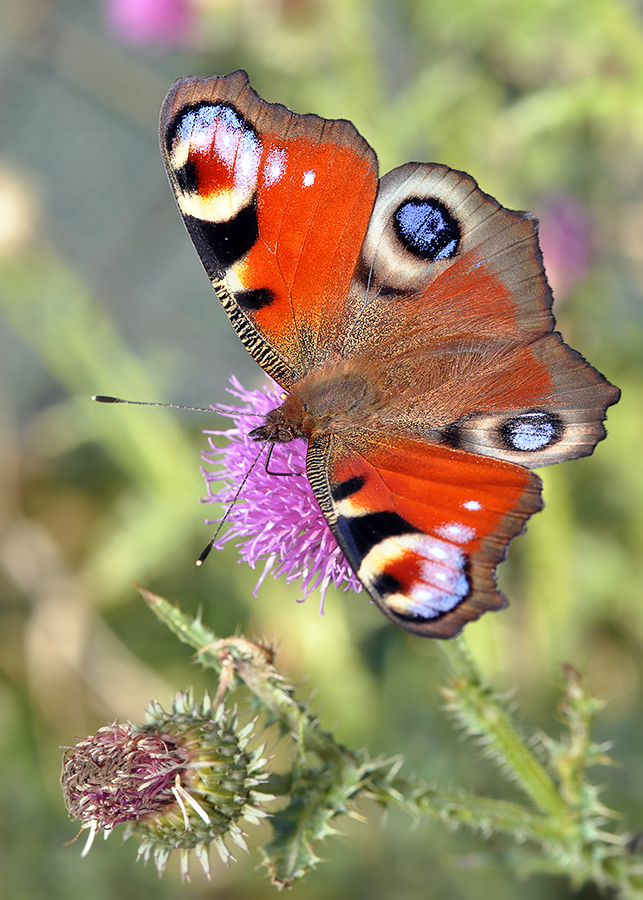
{"x":562,"y":832}
{"x":252,"y":663}
{"x":475,"y":705}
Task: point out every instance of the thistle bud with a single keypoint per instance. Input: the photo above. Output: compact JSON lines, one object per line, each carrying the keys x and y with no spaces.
{"x":180,"y":782}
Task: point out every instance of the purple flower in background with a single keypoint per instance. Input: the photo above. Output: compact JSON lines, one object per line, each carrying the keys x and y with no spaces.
{"x":566,"y":242}
{"x":276,"y":519}
{"x":150,"y":21}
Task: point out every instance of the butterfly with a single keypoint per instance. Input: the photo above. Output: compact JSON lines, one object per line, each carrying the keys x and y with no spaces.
{"x":407,"y":318}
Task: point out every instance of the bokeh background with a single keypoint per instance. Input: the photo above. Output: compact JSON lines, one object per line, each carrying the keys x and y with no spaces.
{"x":101,"y":292}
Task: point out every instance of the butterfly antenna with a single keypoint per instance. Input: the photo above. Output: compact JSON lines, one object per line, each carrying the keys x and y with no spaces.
{"x":101,"y":398}
{"x":269,"y":470}
{"x":206,"y":552}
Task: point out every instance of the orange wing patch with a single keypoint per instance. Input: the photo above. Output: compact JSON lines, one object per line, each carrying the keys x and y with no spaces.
{"x":277,"y":205}
{"x":424,"y":526}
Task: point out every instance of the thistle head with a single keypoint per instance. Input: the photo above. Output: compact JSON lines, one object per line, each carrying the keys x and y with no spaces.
{"x":181,"y":781}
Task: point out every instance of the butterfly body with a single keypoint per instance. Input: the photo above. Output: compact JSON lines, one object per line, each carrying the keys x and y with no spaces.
{"x":339,"y":396}
{"x":408,"y":318}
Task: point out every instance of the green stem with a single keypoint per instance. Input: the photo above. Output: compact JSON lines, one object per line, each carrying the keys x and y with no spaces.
{"x":481,"y":813}
{"x":480,"y":710}
{"x":189,"y":630}
{"x":565,"y":825}
{"x":255,"y":669}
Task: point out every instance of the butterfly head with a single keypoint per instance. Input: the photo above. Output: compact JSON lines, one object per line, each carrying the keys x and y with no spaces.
{"x":278,"y":428}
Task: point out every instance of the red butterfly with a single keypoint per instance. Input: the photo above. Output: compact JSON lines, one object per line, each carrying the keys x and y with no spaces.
{"x":409,"y":318}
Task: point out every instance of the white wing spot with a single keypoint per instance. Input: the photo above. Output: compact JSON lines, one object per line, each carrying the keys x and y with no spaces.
{"x":274,"y":166}
{"x":456,"y":532}
{"x":442,"y":583}
{"x":308,"y":178}
{"x":472,"y":504}
{"x":246,"y":164}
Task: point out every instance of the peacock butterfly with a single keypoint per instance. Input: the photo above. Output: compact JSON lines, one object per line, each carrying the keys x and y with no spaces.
{"x":408,"y":318}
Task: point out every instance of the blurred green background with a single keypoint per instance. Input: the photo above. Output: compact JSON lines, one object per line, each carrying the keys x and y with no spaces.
{"x":101,"y":292}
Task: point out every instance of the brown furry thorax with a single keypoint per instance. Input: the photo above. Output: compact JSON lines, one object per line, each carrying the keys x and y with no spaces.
{"x":330,"y":398}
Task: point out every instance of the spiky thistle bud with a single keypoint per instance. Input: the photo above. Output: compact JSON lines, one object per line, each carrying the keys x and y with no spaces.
{"x":181,"y":781}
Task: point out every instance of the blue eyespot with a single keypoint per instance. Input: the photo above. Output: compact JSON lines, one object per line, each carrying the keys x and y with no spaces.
{"x":532,"y":431}
{"x":427,"y":229}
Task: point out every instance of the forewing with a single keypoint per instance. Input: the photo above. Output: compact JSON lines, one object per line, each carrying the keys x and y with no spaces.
{"x":277,"y":205}
{"x":423,"y":526}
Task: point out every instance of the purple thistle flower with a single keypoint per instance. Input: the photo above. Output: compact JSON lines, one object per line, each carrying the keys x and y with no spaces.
{"x":167,"y":22}
{"x":120,"y":775}
{"x":276,"y":519}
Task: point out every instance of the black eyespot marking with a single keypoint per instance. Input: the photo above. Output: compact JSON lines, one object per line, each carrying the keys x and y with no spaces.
{"x":204,"y":129}
{"x":386,"y":584}
{"x":362,"y":533}
{"x":187,"y":178}
{"x":451,"y":436}
{"x":427,"y":229}
{"x":200,"y":119}
{"x":532,"y":431}
{"x":220,"y":244}
{"x":251,"y":301}
{"x":344,"y":489}
{"x":437,"y":614}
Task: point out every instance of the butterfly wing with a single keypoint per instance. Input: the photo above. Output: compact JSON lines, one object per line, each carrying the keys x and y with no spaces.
{"x":277,"y":205}
{"x":437,"y":289}
{"x":450,"y":291}
{"x":433,"y":277}
{"x":424,"y":527}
